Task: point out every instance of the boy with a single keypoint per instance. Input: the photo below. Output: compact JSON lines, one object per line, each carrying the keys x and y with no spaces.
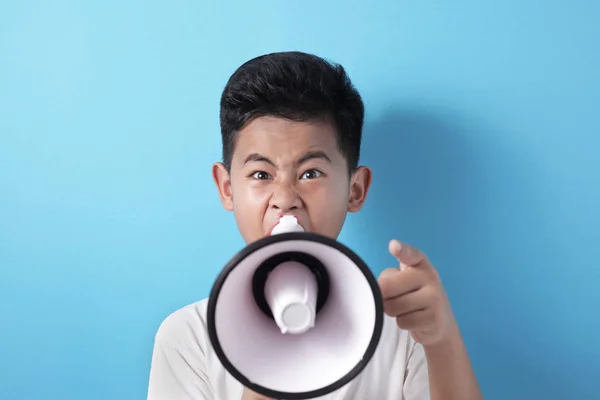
{"x":291,"y":126}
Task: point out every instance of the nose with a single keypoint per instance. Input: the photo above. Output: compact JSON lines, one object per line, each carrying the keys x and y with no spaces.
{"x":285,"y":199}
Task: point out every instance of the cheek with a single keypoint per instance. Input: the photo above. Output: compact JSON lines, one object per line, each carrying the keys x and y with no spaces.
{"x":335,"y":193}
{"x":249,"y":204}
{"x":250,"y":195}
{"x":327,"y":204}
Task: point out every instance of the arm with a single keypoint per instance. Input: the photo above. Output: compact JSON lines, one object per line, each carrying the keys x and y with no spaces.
{"x":415,"y":296}
{"x":450,"y":373}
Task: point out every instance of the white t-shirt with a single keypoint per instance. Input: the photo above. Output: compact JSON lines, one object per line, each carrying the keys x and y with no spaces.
{"x":185,"y":366}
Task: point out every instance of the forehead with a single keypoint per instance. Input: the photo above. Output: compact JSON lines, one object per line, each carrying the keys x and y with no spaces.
{"x":286,"y":140}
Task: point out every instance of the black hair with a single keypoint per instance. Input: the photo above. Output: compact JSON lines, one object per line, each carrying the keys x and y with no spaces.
{"x":295,"y":86}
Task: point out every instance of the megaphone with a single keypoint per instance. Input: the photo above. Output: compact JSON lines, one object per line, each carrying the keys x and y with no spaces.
{"x":295,"y":315}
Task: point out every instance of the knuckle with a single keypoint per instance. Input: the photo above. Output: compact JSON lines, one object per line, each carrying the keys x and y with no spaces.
{"x":387,"y":272}
{"x":386,"y":281}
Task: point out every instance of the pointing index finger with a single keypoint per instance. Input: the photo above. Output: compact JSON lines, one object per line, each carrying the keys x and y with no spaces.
{"x":406,"y":254}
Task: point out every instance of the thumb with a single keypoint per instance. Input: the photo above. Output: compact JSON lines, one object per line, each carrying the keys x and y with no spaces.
{"x":406,"y":254}
{"x":248,"y":394}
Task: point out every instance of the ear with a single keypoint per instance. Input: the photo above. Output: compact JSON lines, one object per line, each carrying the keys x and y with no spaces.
{"x":360,"y":182}
{"x":223,"y":182}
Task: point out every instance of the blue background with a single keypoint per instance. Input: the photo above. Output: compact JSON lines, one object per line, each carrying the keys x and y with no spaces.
{"x":482,"y":130}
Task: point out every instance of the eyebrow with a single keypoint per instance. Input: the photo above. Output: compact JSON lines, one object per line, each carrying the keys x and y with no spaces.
{"x":311,"y":155}
{"x":255,"y":157}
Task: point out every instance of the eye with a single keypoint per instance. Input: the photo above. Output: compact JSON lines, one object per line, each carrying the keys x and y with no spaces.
{"x":311,"y":174}
{"x":261,"y":175}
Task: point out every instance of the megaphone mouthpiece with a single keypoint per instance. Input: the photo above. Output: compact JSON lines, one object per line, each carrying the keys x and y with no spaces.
{"x":291,"y":288}
{"x":287,"y":223}
{"x":291,"y":292}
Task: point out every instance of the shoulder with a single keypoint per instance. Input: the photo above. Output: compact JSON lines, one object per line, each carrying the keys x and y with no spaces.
{"x":184,"y":328}
{"x":191,"y":316}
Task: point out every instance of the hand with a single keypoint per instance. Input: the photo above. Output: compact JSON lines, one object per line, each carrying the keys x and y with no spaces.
{"x":248,"y":394}
{"x":414,"y":295}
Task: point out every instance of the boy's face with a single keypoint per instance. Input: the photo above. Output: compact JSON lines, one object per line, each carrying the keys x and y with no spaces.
{"x":281,"y":167}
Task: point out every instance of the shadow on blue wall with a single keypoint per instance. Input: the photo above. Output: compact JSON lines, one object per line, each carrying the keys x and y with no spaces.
{"x":441,"y":185}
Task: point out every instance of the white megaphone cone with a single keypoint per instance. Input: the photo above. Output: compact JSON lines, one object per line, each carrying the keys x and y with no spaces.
{"x":295,"y":315}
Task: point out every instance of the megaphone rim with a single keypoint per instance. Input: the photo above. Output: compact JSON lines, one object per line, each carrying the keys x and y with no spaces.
{"x":270,"y":240}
